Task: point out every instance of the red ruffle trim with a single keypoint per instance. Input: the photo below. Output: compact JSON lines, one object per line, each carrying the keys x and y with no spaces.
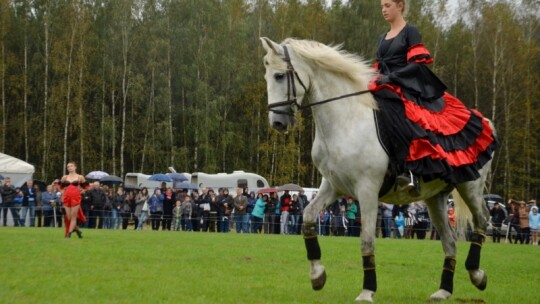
{"x":449,"y":121}
{"x":421,"y":148}
{"x":419,"y":53}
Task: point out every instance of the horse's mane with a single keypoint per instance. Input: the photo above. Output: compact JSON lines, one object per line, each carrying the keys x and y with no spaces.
{"x":334,"y":59}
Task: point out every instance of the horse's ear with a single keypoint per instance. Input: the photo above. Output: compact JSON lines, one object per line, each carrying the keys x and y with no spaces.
{"x":271,"y":46}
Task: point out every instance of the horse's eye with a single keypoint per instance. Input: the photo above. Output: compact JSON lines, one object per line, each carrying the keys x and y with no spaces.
{"x":279,"y":76}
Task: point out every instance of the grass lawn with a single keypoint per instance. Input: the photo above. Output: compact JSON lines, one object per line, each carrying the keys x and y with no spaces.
{"x":110,"y":266}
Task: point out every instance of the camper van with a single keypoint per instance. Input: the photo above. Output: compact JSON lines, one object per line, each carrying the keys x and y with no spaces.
{"x":140,"y":180}
{"x":237,"y":179}
{"x":231,"y":181}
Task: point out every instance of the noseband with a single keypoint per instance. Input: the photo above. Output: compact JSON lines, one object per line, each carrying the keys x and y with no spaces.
{"x":291,"y":91}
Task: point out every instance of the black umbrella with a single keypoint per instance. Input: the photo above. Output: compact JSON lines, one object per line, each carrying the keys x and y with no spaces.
{"x":42,"y":186}
{"x":111,"y":180}
{"x":494,"y":198}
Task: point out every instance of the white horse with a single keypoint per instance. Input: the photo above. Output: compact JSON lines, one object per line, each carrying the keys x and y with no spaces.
{"x":346,"y":150}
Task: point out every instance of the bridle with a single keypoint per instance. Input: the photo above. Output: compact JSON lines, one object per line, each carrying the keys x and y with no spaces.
{"x":291,"y":91}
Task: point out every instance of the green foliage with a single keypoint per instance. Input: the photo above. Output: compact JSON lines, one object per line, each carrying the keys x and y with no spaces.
{"x":203,"y":60}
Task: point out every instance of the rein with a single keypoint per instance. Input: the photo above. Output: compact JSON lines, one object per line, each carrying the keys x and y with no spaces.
{"x":291,"y":91}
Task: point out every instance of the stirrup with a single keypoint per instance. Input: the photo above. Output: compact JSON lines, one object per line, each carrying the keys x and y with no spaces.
{"x":405,"y":179}
{"x":408,"y":182}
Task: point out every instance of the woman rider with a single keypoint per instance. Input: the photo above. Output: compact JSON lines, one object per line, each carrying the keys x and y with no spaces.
{"x":433,"y":135}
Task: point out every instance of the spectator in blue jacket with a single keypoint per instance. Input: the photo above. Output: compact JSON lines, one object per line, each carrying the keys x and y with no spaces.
{"x":17,"y":204}
{"x":29,"y":203}
{"x":156,"y":209}
{"x":49,"y":201}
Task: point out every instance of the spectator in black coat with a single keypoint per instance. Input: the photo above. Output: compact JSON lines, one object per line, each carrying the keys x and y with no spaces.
{"x":497,"y":217}
{"x":97,"y":198}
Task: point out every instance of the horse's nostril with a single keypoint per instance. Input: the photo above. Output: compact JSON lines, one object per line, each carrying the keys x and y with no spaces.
{"x":278,"y":126}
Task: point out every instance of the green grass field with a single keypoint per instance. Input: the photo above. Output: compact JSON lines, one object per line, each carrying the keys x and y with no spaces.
{"x":110,"y":266}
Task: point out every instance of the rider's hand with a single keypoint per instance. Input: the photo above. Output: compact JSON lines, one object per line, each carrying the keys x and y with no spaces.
{"x":384,"y":79}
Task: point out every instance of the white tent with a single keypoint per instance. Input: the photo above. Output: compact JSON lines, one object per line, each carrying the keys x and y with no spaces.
{"x":19,"y":171}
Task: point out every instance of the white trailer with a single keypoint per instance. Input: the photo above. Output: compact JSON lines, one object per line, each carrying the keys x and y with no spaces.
{"x":140,"y":180}
{"x":237,"y":179}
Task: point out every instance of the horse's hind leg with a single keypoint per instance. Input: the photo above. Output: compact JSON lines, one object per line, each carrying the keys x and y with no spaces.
{"x":471,"y":194}
{"x":325,"y":196}
{"x":439,"y":217}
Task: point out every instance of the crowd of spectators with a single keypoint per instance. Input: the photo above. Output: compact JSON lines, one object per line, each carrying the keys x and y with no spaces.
{"x":522,"y":220}
{"x":162,"y":208}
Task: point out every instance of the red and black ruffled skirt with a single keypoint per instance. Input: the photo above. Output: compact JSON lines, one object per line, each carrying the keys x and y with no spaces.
{"x":436,"y":139}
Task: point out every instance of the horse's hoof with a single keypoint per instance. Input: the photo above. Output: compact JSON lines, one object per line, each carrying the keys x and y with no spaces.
{"x":440,"y":295}
{"x":365,"y":296}
{"x":478,"y":278}
{"x":318,"y":281}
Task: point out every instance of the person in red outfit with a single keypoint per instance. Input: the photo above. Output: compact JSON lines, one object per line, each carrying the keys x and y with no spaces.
{"x":72,"y":185}
{"x":433,"y":135}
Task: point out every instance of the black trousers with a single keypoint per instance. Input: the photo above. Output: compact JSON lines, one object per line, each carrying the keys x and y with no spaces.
{"x":95,"y":219}
{"x":496,"y":232}
{"x":155,"y":219}
{"x":167,"y":220}
{"x":48,"y":218}
{"x":39,"y":216}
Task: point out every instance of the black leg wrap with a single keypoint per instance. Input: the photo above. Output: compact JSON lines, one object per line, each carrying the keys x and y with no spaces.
{"x":447,"y":278}
{"x":370,"y":277}
{"x":311,"y":241}
{"x":473,"y":258}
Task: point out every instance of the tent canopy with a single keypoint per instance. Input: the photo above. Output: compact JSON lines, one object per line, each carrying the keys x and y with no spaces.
{"x":19,"y":171}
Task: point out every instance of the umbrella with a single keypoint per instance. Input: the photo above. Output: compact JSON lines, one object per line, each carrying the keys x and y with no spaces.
{"x":267,"y":190}
{"x":493,"y":197}
{"x":185,"y":186}
{"x":290,"y":187}
{"x":111,"y":180}
{"x":96,"y":175}
{"x":160,"y":177}
{"x":1,"y":177}
{"x":177,"y":177}
{"x":42,"y":186}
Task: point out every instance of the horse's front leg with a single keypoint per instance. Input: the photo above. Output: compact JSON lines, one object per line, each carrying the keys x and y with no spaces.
{"x":325,"y":196}
{"x":368,"y":210}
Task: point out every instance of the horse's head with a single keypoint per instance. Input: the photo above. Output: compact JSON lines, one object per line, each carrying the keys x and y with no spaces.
{"x":285,"y":86}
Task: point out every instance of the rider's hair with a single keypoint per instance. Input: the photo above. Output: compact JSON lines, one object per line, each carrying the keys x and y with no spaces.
{"x":404,"y":10}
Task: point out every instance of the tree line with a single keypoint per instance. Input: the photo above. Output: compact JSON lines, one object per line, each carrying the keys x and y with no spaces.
{"x":141,"y":85}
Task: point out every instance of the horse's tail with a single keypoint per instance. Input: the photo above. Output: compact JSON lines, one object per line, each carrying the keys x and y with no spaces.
{"x":492,"y":126}
{"x":464,"y":222}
